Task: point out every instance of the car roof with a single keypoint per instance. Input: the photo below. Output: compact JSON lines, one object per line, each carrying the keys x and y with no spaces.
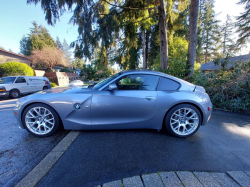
{"x":185,"y":85}
{"x":143,"y":71}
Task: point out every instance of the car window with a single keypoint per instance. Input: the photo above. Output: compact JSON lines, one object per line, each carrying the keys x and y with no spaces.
{"x":166,"y":84}
{"x":137,"y":82}
{"x":20,"y":80}
{"x":7,"y":80}
{"x":105,"y":81}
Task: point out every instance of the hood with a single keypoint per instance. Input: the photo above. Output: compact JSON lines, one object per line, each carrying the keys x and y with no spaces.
{"x":4,"y":85}
{"x":66,"y":90}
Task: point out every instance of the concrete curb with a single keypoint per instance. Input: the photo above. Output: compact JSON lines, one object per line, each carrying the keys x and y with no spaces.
{"x":185,"y":179}
{"x":33,"y":177}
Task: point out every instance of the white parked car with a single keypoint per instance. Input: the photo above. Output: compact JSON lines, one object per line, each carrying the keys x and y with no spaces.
{"x":15,"y":86}
{"x":76,"y":83}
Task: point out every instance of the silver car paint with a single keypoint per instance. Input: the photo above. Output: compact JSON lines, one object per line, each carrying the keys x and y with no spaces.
{"x":118,"y":109}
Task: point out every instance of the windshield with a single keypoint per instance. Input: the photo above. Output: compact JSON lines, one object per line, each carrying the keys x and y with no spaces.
{"x":7,"y":80}
{"x":102,"y":83}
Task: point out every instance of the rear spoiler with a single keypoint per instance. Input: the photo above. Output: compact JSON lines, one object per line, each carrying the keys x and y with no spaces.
{"x":199,"y":89}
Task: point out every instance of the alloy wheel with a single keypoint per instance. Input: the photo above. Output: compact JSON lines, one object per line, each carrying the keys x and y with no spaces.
{"x":184,"y":121}
{"x":39,"y":120}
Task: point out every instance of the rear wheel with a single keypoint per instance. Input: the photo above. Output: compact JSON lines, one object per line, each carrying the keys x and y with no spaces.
{"x":40,"y":120}
{"x":45,"y":88}
{"x":183,"y":120}
{"x":14,"y":94}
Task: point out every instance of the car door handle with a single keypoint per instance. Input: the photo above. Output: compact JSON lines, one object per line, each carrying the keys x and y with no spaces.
{"x":150,"y":98}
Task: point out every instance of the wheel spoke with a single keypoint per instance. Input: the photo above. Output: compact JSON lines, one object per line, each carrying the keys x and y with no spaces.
{"x":37,"y":112}
{"x":32,"y":114}
{"x":188,"y":112}
{"x":49,"y":122}
{"x":192,"y":115}
{"x":46,"y":126}
{"x":177,"y":127}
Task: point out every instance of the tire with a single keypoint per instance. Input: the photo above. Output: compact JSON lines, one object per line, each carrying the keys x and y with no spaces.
{"x":40,"y":120}
{"x":183,"y":125}
{"x":45,"y":88}
{"x":14,"y":94}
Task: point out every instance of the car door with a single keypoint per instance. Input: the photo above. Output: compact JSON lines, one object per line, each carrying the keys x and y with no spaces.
{"x":34,"y":84}
{"x":22,"y":85}
{"x":135,"y":100}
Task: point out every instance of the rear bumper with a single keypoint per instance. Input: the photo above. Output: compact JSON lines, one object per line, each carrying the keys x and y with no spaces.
{"x":207,"y":109}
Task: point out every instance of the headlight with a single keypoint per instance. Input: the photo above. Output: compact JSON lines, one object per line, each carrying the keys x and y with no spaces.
{"x":2,"y":89}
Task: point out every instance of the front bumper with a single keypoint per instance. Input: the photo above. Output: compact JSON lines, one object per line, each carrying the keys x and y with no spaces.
{"x":17,"y":110}
{"x":4,"y":94}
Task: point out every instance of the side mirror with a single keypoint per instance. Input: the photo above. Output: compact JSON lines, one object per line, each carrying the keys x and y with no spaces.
{"x":112,"y":86}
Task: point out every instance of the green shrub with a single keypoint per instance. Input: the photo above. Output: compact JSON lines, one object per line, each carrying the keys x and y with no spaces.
{"x":52,"y":84}
{"x":228,"y":89}
{"x":67,"y":70}
{"x":177,"y":67}
{"x":15,"y":68}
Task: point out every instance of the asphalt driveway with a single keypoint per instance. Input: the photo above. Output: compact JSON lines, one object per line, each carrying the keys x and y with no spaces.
{"x":97,"y":157}
{"x":20,"y":151}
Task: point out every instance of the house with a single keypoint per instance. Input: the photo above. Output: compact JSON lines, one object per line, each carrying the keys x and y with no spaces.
{"x":61,"y":78}
{"x":231,"y":61}
{"x":6,"y":56}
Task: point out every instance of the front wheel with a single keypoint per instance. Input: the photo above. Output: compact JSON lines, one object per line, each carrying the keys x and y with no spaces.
{"x":183,"y":120}
{"x":40,"y":120}
{"x":14,"y":94}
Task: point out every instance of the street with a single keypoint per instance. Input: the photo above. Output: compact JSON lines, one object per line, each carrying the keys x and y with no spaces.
{"x":97,"y":157}
{"x":20,"y":151}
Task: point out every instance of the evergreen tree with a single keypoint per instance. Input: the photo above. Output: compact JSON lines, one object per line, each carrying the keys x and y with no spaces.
{"x":38,"y":38}
{"x":58,"y":43}
{"x":243,"y":23}
{"x":114,"y":25}
{"x":209,"y":35}
{"x":23,"y":45}
{"x":229,"y":47}
{"x":154,"y":45}
{"x":78,"y":63}
{"x":67,"y":53}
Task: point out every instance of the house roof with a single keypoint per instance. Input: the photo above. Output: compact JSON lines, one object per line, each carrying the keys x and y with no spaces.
{"x":211,"y":66}
{"x":14,"y":54}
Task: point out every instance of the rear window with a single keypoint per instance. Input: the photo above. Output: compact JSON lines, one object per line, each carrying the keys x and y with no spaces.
{"x":166,"y":84}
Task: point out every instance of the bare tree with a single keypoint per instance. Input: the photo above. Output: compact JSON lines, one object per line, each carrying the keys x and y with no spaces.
{"x":193,"y":19}
{"x":48,"y":57}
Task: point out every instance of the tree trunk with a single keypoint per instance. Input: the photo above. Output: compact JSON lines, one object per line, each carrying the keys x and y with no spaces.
{"x":147,"y":41}
{"x":206,"y":56}
{"x":144,"y":50}
{"x":193,"y":20}
{"x":163,"y":35}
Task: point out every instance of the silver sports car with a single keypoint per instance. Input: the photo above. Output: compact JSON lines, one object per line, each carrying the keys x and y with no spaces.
{"x":127,"y":100}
